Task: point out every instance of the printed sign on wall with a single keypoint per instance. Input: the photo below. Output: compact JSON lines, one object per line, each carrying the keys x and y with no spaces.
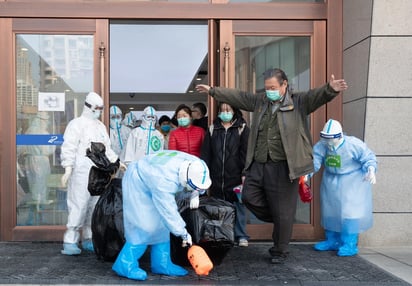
{"x":51,"y":101}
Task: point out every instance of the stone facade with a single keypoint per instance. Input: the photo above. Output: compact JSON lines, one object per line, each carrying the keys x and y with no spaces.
{"x":377,"y":107}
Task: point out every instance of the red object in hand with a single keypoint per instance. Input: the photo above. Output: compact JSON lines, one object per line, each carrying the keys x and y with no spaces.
{"x":304,"y":191}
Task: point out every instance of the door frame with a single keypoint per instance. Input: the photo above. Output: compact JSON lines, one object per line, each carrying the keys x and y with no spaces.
{"x":44,"y":17}
{"x":11,"y":27}
{"x":316,"y":30}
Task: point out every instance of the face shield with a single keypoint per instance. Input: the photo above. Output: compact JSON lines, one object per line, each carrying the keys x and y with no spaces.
{"x":115,"y":117}
{"x":332,"y":142}
{"x":197,"y":176}
{"x":149,"y":117}
{"x":332,"y":133}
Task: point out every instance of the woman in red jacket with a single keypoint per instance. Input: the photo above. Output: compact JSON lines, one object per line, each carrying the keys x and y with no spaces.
{"x":187,"y":137}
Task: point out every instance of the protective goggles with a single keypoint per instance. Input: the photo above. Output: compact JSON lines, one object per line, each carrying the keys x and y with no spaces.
{"x":116,"y":116}
{"x":101,"y":107}
{"x":149,"y":118}
{"x":330,"y":136}
{"x":191,"y":184}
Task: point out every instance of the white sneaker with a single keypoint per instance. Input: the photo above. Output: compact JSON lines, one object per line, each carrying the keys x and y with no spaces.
{"x":243,"y":242}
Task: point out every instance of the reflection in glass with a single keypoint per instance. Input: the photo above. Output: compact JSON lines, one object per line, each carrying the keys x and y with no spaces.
{"x":53,"y":75}
{"x":254,"y":55}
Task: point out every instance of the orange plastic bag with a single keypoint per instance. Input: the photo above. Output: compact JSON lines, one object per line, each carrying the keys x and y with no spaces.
{"x":199,"y":260}
{"x":304,"y":191}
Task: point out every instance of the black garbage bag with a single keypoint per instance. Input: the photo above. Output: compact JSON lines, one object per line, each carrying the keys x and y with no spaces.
{"x":101,"y":174}
{"x":211,"y":227}
{"x":97,"y":153}
{"x":107,"y":222}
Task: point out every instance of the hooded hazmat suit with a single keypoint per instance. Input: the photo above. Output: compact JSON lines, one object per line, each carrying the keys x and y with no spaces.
{"x":150,"y":211}
{"x":130,"y":120}
{"x":118,"y":132}
{"x":345,"y":194}
{"x":145,"y":139}
{"x":79,"y":134}
{"x":37,"y":159}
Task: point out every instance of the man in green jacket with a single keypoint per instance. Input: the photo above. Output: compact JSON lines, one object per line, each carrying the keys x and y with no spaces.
{"x":279,"y":148}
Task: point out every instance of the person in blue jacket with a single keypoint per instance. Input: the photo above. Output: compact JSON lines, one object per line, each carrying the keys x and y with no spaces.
{"x":150,"y":212}
{"x":345,"y":192}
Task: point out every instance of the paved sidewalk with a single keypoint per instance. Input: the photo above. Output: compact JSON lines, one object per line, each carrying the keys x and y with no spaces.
{"x":34,"y":263}
{"x":395,"y":260}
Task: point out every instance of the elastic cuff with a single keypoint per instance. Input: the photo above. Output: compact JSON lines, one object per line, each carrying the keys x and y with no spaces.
{"x":211,"y":91}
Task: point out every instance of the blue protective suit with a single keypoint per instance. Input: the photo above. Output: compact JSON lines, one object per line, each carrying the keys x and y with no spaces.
{"x":345,"y":197}
{"x":150,"y":214}
{"x":149,"y":207}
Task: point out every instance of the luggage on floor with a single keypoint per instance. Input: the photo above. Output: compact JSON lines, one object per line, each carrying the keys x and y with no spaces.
{"x":211,"y":227}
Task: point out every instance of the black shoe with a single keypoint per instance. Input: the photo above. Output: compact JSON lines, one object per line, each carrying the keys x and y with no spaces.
{"x":274,"y":252}
{"x":278,"y":259}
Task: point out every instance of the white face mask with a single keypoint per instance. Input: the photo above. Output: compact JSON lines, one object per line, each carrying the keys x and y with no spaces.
{"x":333,"y":143}
{"x":96,"y":114}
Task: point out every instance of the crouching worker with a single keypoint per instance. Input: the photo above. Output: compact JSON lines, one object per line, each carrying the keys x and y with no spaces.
{"x":345,"y":191}
{"x":150,"y":212}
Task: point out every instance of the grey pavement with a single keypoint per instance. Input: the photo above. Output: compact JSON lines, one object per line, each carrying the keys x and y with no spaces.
{"x":40,"y":263}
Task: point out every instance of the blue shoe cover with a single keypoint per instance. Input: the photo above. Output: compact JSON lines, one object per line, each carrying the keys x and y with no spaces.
{"x":332,"y":242}
{"x":350,"y":245}
{"x":326,"y":245}
{"x":347,"y":250}
{"x":127,"y":262}
{"x":70,"y":249}
{"x":161,"y":262}
{"x":88,"y":245}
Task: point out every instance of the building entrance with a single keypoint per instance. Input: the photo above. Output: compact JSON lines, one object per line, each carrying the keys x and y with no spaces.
{"x":157,"y":63}
{"x":248,"y":49}
{"x":56,"y":61}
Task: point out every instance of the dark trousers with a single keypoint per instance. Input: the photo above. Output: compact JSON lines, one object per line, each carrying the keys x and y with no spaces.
{"x":272,"y":197}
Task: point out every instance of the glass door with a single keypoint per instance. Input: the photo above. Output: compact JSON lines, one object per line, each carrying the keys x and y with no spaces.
{"x":250,"y":48}
{"x":53,"y":75}
{"x":57,"y":63}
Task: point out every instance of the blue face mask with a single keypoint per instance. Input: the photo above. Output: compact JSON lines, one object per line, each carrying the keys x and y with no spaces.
{"x":226,"y":116}
{"x":273,"y":95}
{"x":183,"y":121}
{"x":165,"y":128}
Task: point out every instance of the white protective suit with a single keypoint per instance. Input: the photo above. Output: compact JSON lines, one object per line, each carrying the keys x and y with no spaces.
{"x":79,"y":134}
{"x":145,"y":139}
{"x":130,"y":120}
{"x":37,"y":159}
{"x":119,"y":133}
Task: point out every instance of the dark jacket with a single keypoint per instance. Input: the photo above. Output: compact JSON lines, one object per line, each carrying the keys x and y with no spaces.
{"x":202,"y":122}
{"x":225,"y":154}
{"x":292,"y":118}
